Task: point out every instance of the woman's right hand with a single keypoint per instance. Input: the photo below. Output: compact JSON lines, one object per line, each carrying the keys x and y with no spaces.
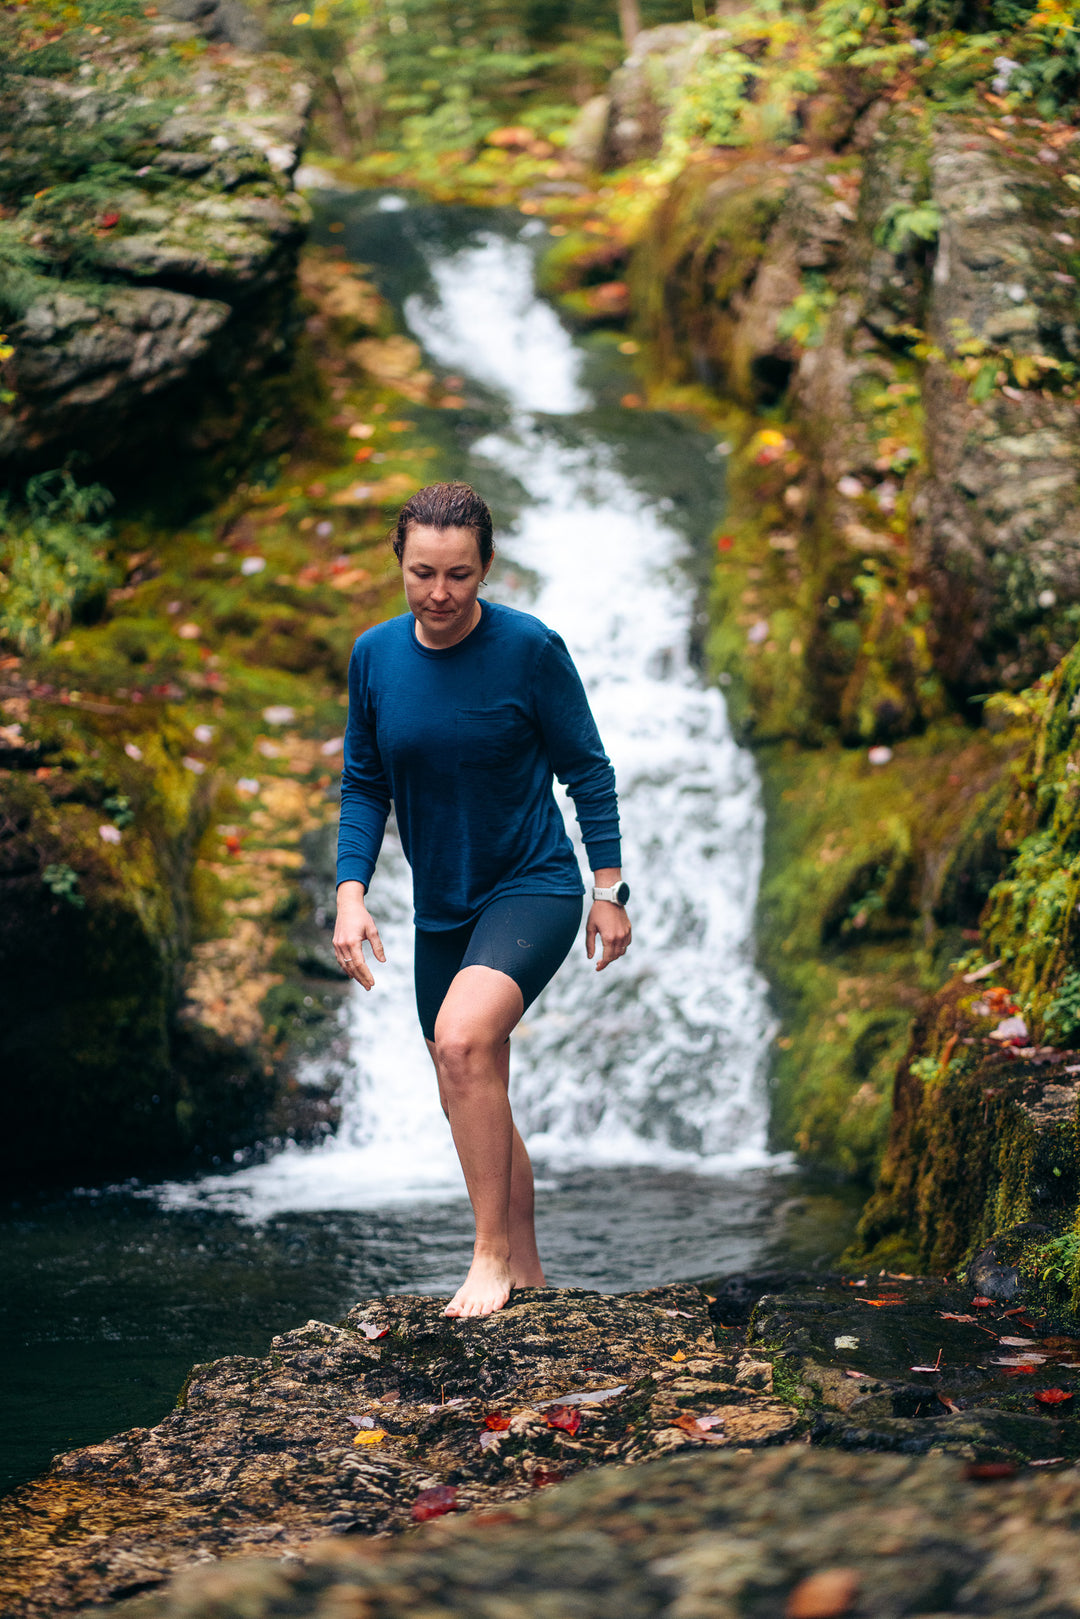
{"x":355,"y":924}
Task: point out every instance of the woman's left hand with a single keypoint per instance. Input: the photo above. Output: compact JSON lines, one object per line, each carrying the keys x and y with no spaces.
{"x":613,"y":925}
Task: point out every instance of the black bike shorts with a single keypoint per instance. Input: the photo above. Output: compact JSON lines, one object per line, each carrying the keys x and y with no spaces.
{"x":526,"y":936}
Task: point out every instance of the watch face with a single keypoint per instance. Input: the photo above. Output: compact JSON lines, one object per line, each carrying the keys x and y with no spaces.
{"x":622,"y":893}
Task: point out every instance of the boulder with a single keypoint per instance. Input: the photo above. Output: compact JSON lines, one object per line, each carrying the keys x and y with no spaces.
{"x":998,"y":530}
{"x":145,"y":304}
{"x":659,"y":61}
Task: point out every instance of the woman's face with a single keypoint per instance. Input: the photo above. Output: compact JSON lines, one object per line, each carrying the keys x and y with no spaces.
{"x":442,"y":573}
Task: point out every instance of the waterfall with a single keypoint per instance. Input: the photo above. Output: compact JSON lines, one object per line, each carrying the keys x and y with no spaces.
{"x":660,"y":1059}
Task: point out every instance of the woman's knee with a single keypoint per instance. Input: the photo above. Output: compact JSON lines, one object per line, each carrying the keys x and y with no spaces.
{"x":463,"y":1054}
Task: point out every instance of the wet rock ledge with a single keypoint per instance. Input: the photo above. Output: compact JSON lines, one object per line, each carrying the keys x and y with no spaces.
{"x":277,"y":1453}
{"x":397,"y":1416}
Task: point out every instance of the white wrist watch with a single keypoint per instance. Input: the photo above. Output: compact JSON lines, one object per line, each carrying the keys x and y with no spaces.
{"x":617,"y":894}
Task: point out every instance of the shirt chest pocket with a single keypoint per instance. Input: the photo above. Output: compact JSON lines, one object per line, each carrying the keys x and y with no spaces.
{"x":495,"y":738}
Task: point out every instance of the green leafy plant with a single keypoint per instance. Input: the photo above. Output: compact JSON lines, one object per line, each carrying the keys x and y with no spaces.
{"x":119,"y":810}
{"x":807,"y":318}
{"x":63,"y":882}
{"x":1058,"y":1262}
{"x":52,"y":557}
{"x":905,"y":223}
{"x":1063,"y":1013}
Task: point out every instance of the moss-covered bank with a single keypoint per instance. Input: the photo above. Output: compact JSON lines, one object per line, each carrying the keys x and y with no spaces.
{"x":166,"y":783}
{"x":984,"y":1133}
{"x":898,"y":543}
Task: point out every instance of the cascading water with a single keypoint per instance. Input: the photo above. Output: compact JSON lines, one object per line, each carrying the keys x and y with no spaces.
{"x":660,"y":1059}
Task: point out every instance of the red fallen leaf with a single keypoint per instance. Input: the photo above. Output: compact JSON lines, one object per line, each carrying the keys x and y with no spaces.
{"x":1022,"y":1321}
{"x":1051,"y":1396}
{"x":982,"y":1304}
{"x":983,"y":1472}
{"x":107,"y":221}
{"x":877,"y":1303}
{"x":947,"y":1315}
{"x":566,"y":1417}
{"x":725,"y":542}
{"x":545,"y":1475}
{"x":826,"y":1594}
{"x":1018,"y":1371}
{"x":232,"y":843}
{"x":1017,"y":1309}
{"x":495,"y":1422}
{"x":435,"y":1503}
{"x":950,"y":1405}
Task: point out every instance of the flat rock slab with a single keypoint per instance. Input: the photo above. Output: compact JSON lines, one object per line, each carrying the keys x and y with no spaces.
{"x":911,"y":1364}
{"x":340,"y":1429}
{"x":807,"y":1533}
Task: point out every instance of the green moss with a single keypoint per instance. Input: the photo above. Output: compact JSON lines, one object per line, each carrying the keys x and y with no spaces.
{"x":861,"y":896}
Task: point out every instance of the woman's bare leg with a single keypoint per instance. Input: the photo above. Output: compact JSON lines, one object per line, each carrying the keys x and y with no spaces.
{"x":472,"y":1062}
{"x":525,"y":1267}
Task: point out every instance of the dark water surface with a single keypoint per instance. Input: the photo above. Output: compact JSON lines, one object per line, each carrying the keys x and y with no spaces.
{"x":107,"y":1300}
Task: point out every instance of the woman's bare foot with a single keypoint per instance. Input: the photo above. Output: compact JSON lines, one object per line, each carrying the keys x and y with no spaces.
{"x":485,"y":1290}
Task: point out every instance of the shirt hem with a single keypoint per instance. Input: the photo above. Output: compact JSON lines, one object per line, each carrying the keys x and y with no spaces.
{"x":503,"y":893}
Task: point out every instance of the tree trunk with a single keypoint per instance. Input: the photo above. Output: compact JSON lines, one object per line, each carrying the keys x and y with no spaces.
{"x":629,"y":21}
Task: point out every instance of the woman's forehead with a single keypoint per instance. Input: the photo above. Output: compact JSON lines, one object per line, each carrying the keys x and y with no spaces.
{"x":445,"y":547}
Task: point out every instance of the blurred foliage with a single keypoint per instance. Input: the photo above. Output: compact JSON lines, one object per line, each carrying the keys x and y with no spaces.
{"x":52,"y":557}
{"x":754,"y":80}
{"x":432,"y":77}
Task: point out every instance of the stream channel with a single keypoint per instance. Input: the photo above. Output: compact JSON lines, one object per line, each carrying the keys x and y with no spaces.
{"x":641,"y":1092}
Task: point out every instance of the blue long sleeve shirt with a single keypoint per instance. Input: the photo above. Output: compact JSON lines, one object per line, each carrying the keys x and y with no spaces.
{"x":465,"y":740}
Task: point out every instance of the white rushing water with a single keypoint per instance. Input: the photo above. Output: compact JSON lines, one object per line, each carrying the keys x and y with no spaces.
{"x":660,"y":1059}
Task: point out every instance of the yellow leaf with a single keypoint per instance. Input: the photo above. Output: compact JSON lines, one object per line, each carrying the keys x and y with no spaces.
{"x":769,"y":435}
{"x":369,"y":1436}
{"x":678,"y":1355}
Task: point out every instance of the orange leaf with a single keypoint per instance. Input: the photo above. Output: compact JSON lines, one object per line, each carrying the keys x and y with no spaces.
{"x":824,"y":1595}
{"x":985,"y":1471}
{"x":495,"y":1422}
{"x":1052,"y":1396}
{"x":566,"y":1417}
{"x":984,"y":1304}
{"x":678,"y":1355}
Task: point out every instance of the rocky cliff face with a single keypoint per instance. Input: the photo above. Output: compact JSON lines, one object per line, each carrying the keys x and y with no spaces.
{"x":889,"y":314}
{"x":149,"y":238}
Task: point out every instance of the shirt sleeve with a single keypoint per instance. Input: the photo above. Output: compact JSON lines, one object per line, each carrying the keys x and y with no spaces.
{"x":577,"y":754}
{"x":365,"y":792}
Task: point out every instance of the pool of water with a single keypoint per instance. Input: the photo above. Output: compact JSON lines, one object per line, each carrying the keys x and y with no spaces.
{"x":107,"y":1299}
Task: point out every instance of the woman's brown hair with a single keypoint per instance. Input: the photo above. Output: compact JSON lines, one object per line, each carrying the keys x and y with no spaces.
{"x":446,"y":505}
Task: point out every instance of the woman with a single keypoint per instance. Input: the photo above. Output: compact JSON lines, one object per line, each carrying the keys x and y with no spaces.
{"x":462,"y":711}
